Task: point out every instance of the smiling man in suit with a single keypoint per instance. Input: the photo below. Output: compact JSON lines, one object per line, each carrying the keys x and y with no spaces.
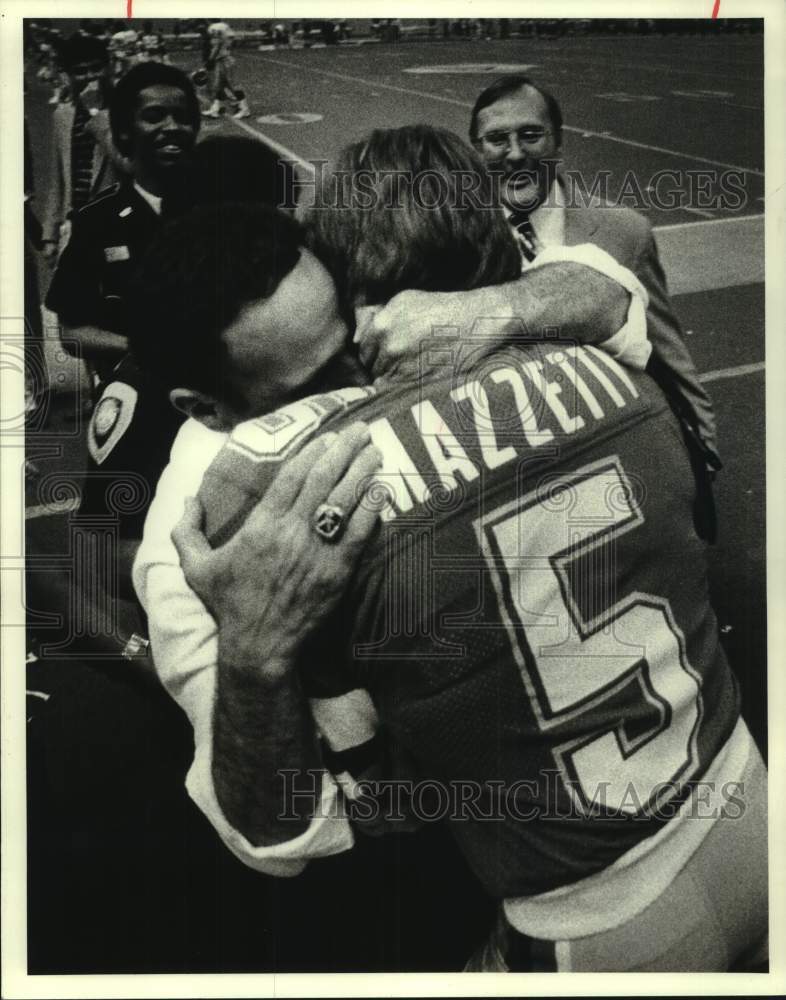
{"x":516,"y":126}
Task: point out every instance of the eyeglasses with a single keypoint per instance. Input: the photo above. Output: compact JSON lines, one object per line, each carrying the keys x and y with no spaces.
{"x":529,"y":137}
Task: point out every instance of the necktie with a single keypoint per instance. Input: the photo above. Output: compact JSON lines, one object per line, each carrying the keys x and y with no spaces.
{"x":525,"y":234}
{"x":82,"y":144}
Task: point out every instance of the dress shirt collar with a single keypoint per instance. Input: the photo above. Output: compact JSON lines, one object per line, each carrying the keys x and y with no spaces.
{"x":152,"y":199}
{"x":548,"y":219}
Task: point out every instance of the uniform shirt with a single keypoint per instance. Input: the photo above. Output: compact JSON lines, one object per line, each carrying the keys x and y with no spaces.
{"x":90,"y":284}
{"x":133,"y":425}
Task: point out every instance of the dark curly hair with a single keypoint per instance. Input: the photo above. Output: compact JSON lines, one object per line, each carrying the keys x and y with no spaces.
{"x":199,"y":272}
{"x":233,"y":168}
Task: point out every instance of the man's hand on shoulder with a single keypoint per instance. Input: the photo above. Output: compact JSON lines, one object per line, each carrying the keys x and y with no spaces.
{"x":274,"y":581}
{"x":564,"y":298}
{"x":395,"y":340}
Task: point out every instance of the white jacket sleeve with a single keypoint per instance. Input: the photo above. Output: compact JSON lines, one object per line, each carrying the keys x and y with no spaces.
{"x":629,"y":345}
{"x":184,"y":643}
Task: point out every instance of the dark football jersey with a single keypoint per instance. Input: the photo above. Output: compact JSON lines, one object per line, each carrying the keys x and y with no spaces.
{"x":532,"y":621}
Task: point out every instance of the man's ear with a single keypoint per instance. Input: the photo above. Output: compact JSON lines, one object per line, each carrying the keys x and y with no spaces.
{"x":199,"y":406}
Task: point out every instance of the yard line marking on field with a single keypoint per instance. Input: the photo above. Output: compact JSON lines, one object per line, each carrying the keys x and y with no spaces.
{"x":466,"y":104}
{"x":277,"y":147}
{"x":661,"y":69}
{"x":664,"y":149}
{"x":735,"y":372}
{"x":712,"y":222}
{"x":548,"y":57}
{"x":49,"y":509}
{"x":721,"y":104}
{"x":371,"y":83}
{"x":700,"y":211}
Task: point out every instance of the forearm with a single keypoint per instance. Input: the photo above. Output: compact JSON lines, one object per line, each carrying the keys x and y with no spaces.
{"x":95,"y":342}
{"x":261,"y":727}
{"x":579,"y":302}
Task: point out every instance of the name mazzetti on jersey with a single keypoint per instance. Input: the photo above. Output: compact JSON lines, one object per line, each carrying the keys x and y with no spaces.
{"x":515,"y":408}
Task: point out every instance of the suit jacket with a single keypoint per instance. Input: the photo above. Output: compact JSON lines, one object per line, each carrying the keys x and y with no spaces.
{"x":106,"y":166}
{"x":628,"y":237}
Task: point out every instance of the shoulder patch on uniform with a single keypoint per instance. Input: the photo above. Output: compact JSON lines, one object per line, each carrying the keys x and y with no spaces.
{"x":111,"y":419}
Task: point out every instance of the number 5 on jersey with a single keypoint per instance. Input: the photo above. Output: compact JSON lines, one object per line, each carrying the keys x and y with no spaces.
{"x":607,"y":674}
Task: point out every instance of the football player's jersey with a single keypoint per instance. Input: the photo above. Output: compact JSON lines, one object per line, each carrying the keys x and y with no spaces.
{"x":221,"y":40}
{"x":532,"y":621}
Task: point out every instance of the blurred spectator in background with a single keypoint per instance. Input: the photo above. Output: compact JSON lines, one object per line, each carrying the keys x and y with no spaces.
{"x":36,"y":378}
{"x":45,"y":42}
{"x":124,"y":51}
{"x":83,"y":160}
{"x":219,"y":62}
{"x":151,"y":44}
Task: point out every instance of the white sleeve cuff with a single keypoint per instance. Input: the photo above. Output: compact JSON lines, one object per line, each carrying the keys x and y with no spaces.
{"x":629,"y":345}
{"x":328,"y":833}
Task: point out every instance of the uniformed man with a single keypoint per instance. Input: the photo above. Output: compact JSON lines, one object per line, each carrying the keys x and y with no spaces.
{"x":154,"y":120}
{"x":134,"y":423}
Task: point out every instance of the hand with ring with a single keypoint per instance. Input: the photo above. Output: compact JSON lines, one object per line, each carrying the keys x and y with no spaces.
{"x":279,"y":577}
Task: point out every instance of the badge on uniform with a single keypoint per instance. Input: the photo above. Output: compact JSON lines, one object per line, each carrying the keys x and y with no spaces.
{"x":105,"y":416}
{"x":111,"y":419}
{"x":114,"y":254}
